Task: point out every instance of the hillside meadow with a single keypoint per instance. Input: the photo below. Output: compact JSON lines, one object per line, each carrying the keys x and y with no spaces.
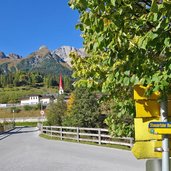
{"x":14,"y":94}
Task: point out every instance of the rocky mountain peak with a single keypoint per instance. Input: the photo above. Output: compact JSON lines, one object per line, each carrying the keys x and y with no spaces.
{"x":43,"y":51}
{"x":64,"y":51}
{"x":43,"y":47}
{"x":14,"y":56}
{"x":2,"y":55}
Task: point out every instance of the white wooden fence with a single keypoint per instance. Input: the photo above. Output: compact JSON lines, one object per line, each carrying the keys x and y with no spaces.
{"x":97,"y":135}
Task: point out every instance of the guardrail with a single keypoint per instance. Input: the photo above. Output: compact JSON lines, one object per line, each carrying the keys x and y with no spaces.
{"x":97,"y":135}
{"x":24,"y":119}
{"x":6,"y":127}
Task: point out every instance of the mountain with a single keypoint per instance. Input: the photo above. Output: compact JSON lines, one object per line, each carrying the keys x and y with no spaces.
{"x":43,"y":60}
{"x":64,"y":52}
{"x":2,"y":55}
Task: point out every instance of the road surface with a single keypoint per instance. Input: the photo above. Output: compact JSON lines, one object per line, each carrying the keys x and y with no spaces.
{"x":23,"y":150}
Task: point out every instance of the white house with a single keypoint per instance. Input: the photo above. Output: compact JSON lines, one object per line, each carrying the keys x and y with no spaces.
{"x":46,"y":99}
{"x":36,"y":99}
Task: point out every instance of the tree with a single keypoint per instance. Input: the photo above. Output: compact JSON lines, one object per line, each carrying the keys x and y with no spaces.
{"x":70,"y":102}
{"x":121,"y":117}
{"x":67,"y":83}
{"x":36,"y":78}
{"x":127,"y":43}
{"x":84,"y":111}
{"x":56,"y":111}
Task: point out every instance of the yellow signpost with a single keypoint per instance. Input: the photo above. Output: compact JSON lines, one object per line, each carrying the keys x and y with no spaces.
{"x":148,"y":136}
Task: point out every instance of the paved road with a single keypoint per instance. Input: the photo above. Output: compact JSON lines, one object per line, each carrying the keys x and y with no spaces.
{"x":23,"y":150}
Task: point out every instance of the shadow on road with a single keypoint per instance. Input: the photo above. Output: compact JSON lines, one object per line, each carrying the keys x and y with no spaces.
{"x":18,"y":130}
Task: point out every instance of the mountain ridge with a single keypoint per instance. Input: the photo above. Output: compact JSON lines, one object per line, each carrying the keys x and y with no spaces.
{"x":42,"y":60}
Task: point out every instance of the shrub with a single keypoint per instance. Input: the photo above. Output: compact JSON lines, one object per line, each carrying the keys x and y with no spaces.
{"x":27,"y":107}
{"x":56,"y":112}
{"x":84,"y":110}
{"x":15,"y":109}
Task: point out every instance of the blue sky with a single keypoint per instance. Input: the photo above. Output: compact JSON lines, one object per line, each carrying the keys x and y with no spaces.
{"x":25,"y":25}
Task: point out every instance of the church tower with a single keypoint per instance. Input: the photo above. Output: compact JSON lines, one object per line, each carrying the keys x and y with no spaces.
{"x":61,"y":90}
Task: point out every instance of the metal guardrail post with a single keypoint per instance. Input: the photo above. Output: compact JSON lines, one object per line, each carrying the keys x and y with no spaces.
{"x":165,"y":138}
{"x":41,"y":128}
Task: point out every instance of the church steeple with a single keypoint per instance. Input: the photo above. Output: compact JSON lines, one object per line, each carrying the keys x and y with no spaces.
{"x":61,"y":90}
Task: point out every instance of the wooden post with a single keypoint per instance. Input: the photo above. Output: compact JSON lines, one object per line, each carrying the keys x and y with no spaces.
{"x":61,"y":132}
{"x":99,"y":133}
{"x":51,"y":132}
{"x":131,"y":142}
{"x":78,"y":134}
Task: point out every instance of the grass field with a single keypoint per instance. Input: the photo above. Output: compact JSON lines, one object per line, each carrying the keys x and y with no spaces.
{"x":7,"y":113}
{"x":14,"y":94}
{"x":30,"y":124}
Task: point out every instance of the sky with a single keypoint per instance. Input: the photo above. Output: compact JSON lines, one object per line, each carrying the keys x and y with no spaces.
{"x":25,"y":25}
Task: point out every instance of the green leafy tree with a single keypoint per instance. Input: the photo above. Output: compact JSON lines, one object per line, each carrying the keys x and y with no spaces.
{"x":48,"y":81}
{"x":56,"y":111}
{"x":35,"y":78}
{"x":127,"y":43}
{"x":84,"y":111}
{"x":67,"y":83}
{"x":120,"y":118}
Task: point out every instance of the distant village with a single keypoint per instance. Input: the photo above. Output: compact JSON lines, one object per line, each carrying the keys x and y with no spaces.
{"x":42,"y":99}
{"x":34,"y":99}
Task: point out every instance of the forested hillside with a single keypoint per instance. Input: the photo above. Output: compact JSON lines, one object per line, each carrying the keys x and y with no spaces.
{"x":43,"y":61}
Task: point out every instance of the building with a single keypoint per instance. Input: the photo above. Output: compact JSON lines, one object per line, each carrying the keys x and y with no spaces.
{"x":61,"y":90}
{"x":36,"y":99}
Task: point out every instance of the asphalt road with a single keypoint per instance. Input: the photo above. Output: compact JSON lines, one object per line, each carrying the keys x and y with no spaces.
{"x":23,"y":150}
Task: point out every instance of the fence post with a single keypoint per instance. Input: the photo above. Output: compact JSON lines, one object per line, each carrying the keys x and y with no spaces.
{"x":131,"y":142}
{"x":61,"y":132}
{"x":78,"y":134}
{"x":99,"y":133}
{"x":51,"y":131}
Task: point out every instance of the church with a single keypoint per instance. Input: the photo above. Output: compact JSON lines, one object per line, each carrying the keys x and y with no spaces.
{"x":61,"y":90}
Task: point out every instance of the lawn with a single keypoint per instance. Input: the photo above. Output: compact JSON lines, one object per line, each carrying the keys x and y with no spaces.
{"x":14,"y":94}
{"x":7,"y":113}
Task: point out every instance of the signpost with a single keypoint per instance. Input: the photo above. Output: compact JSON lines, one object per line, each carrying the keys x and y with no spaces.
{"x":152,"y":128}
{"x":147,"y":110}
{"x":42,"y":112}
